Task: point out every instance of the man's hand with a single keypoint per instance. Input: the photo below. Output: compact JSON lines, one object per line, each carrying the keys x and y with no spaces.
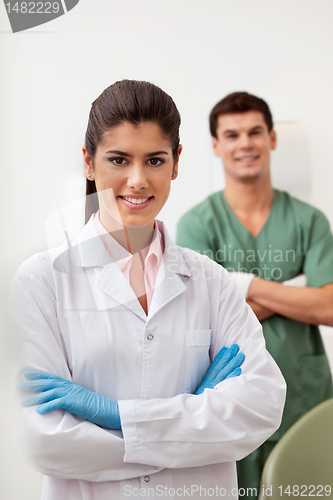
{"x":243,"y":281}
{"x":225,"y":365}
{"x":300,"y":281}
{"x":57,"y":393}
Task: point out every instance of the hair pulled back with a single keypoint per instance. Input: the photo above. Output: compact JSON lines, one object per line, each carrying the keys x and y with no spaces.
{"x":129,"y":101}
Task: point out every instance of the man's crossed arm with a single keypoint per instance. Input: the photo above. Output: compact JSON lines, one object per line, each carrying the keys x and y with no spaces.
{"x":308,"y":305}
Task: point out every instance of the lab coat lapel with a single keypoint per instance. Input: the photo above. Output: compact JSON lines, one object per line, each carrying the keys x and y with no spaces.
{"x":108,"y":284}
{"x":110,"y":287}
{"x":169,"y":282}
{"x":114,"y":290}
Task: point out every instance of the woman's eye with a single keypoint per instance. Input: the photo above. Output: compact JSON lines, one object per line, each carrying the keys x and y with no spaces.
{"x":118,"y":161}
{"x":155,"y":161}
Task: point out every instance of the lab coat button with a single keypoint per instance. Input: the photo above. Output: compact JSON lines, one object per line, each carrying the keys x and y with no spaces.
{"x":147,"y":479}
{"x":150,"y":337}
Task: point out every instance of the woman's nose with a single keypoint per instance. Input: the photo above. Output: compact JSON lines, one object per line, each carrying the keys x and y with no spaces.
{"x":137,"y":178}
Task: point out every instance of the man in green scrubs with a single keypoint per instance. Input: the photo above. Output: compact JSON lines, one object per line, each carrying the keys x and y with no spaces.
{"x":265,"y":238}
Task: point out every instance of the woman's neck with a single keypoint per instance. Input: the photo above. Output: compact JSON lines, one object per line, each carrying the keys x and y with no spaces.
{"x":132,"y":238}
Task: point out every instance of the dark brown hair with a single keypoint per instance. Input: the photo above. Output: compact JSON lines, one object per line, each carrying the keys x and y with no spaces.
{"x":239,"y":102}
{"x":128,"y":101}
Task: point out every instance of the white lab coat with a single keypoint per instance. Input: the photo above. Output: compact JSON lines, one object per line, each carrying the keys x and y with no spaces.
{"x":75,"y":315}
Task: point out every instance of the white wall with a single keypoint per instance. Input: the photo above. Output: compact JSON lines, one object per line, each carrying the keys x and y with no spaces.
{"x":197,"y":51}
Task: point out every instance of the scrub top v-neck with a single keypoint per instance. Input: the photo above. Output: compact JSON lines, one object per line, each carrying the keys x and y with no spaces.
{"x":295,"y":238}
{"x":251,"y":244}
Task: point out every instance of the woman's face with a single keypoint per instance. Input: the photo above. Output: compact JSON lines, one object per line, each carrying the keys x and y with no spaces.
{"x":132,"y":169}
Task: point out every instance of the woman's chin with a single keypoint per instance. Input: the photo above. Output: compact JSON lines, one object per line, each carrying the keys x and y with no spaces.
{"x":137,"y":222}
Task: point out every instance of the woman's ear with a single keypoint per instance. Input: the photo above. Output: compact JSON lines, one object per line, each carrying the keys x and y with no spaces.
{"x":175,"y":167}
{"x":88,"y":163}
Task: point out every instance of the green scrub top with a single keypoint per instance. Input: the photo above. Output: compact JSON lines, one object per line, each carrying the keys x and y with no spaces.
{"x":295,"y":239}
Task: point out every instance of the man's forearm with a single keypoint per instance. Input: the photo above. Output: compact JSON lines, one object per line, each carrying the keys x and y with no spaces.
{"x":309,"y":305}
{"x":260,"y":311}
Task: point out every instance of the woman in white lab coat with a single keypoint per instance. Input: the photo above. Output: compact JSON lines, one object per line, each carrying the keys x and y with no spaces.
{"x":117,"y":328}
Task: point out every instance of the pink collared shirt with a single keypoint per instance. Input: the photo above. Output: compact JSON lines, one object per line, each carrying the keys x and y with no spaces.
{"x":142,"y":279}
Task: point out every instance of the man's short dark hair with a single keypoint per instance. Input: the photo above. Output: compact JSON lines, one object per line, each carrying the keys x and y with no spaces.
{"x":239,"y":102}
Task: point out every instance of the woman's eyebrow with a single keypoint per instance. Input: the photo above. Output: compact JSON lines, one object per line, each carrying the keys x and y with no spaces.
{"x":157,"y":153}
{"x":116,"y":152}
{"x":122,"y":153}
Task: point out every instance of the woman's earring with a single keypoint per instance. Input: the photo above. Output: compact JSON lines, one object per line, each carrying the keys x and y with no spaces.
{"x":173,"y":175}
{"x":89,"y":176}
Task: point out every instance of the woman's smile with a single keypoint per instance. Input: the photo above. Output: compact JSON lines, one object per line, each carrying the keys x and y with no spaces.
{"x":136,"y":203}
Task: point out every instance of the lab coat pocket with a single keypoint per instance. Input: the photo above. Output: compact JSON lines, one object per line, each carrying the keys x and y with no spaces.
{"x":197,"y":358}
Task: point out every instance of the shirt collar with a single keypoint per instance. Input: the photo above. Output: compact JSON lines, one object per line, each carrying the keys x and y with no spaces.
{"x":89,"y":251}
{"x":120,"y":255}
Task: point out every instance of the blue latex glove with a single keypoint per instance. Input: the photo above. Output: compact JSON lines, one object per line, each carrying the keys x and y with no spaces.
{"x":225,"y":365}
{"x":58,"y":393}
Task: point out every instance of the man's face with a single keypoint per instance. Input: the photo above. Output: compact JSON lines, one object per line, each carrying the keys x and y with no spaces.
{"x":244,"y":144}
